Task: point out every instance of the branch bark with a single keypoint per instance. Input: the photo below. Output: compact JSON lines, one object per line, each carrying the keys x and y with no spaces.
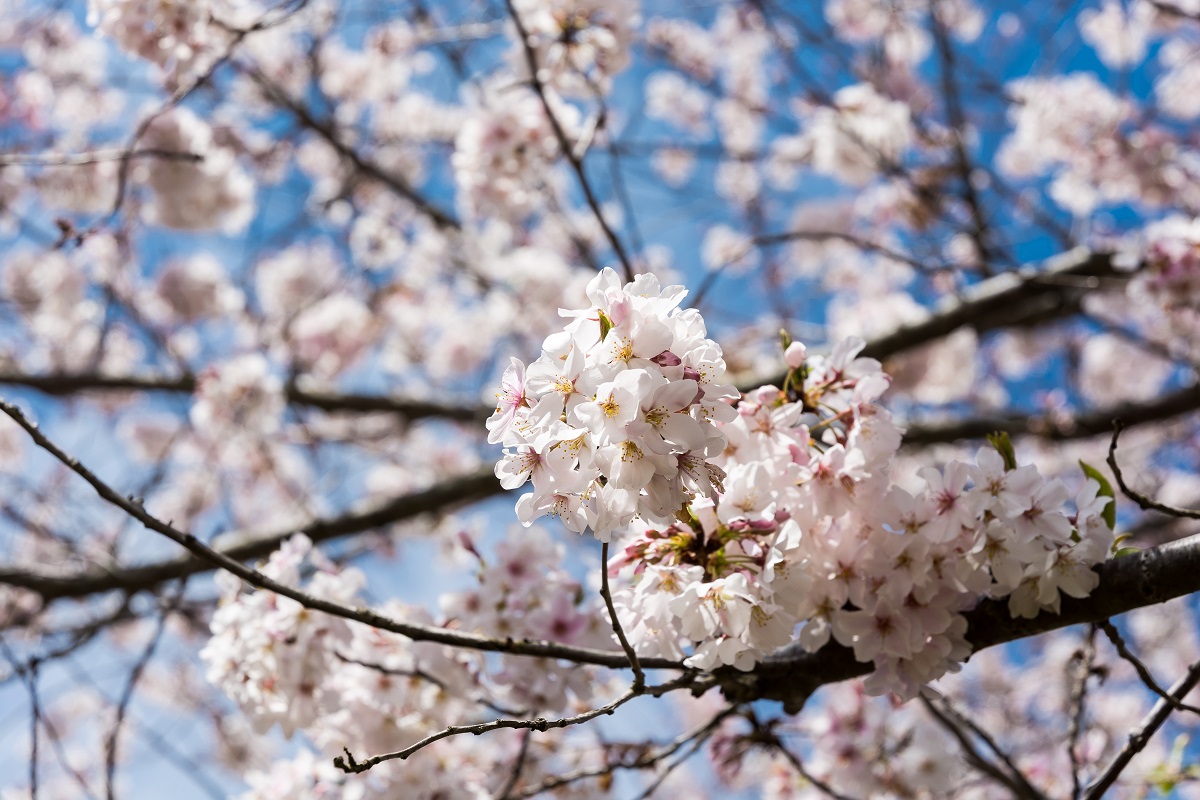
{"x":1143,"y":579}
{"x":1023,"y":297}
{"x":1091,"y":423}
{"x":67,"y":384}
{"x":1029,"y":296}
{"x":249,"y":546}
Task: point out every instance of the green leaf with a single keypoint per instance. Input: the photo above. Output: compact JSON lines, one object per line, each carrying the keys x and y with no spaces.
{"x":1106,"y":490}
{"x":606,"y":325}
{"x":785,"y":339}
{"x":1003,"y":445}
{"x":1119,"y":548}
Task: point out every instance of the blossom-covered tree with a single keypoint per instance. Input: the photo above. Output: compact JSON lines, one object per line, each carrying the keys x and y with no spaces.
{"x":599,"y":398}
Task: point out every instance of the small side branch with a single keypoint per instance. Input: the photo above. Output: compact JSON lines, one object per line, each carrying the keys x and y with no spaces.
{"x":958,"y":725}
{"x":694,"y":737}
{"x":1144,"y":502}
{"x":564,"y":144}
{"x":1084,"y":658}
{"x":414,"y":631}
{"x":351,"y":765}
{"x":639,"y":677}
{"x":1123,"y":650}
{"x":1141,"y":735}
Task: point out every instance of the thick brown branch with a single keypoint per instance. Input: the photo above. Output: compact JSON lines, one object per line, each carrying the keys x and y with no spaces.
{"x":1090,"y":423}
{"x":1024,"y":297}
{"x":1134,"y":581}
{"x":65,"y":384}
{"x":250,"y":546}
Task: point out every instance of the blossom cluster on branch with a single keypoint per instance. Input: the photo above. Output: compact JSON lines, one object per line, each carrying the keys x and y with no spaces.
{"x":741,"y":522}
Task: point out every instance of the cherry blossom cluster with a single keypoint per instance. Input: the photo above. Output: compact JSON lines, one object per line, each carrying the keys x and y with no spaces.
{"x":211,"y":192}
{"x":797,"y":518}
{"x":270,"y":654}
{"x":854,"y":139}
{"x":181,"y":37}
{"x":617,"y":418}
{"x":505,"y":150}
{"x":1171,"y":273}
{"x":349,"y":685}
{"x":1074,"y":127}
{"x":900,"y":27}
{"x":579,"y":44}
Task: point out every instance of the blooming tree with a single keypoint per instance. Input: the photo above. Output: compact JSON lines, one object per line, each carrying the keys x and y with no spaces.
{"x":581,"y":399}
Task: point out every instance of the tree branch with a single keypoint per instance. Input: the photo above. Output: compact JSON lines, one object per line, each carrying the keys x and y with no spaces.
{"x":350,"y":764}
{"x":1142,"y":579}
{"x":1138,"y":738}
{"x":327,"y":132}
{"x":1051,"y":290}
{"x":66,"y":384}
{"x":414,"y":631}
{"x":1143,"y":502}
{"x":1090,"y":423}
{"x":639,"y":677}
{"x":564,"y":144}
{"x":248,"y":546}
{"x":1143,"y":672}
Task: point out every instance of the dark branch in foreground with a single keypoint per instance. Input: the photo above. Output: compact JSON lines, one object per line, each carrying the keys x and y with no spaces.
{"x":790,"y":675}
{"x":1143,"y":579}
{"x":414,"y":631}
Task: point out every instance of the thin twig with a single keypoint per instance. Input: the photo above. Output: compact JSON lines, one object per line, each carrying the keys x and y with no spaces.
{"x":350,"y":764}
{"x":414,"y":631}
{"x":1140,"y":736}
{"x":1144,"y":502}
{"x":514,"y":772}
{"x":639,"y":677}
{"x":671,"y":767}
{"x":646,"y":761}
{"x":564,"y":144}
{"x":954,"y":722}
{"x":1078,"y":697}
{"x":1123,"y":650}
{"x":110,"y":746}
{"x":764,"y":734}
{"x":37,"y":720}
{"x":328,"y":132}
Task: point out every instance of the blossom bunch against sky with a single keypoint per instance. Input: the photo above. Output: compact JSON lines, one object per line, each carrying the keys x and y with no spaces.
{"x":599,"y":398}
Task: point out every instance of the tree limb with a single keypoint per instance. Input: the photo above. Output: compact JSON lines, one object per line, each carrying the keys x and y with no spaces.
{"x":1051,"y":290}
{"x":248,"y":546}
{"x":66,"y":384}
{"x":1152,"y":576}
{"x":1090,"y":423}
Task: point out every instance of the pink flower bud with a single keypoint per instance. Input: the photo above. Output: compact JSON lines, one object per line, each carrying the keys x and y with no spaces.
{"x":668,"y":359}
{"x":795,"y":355}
